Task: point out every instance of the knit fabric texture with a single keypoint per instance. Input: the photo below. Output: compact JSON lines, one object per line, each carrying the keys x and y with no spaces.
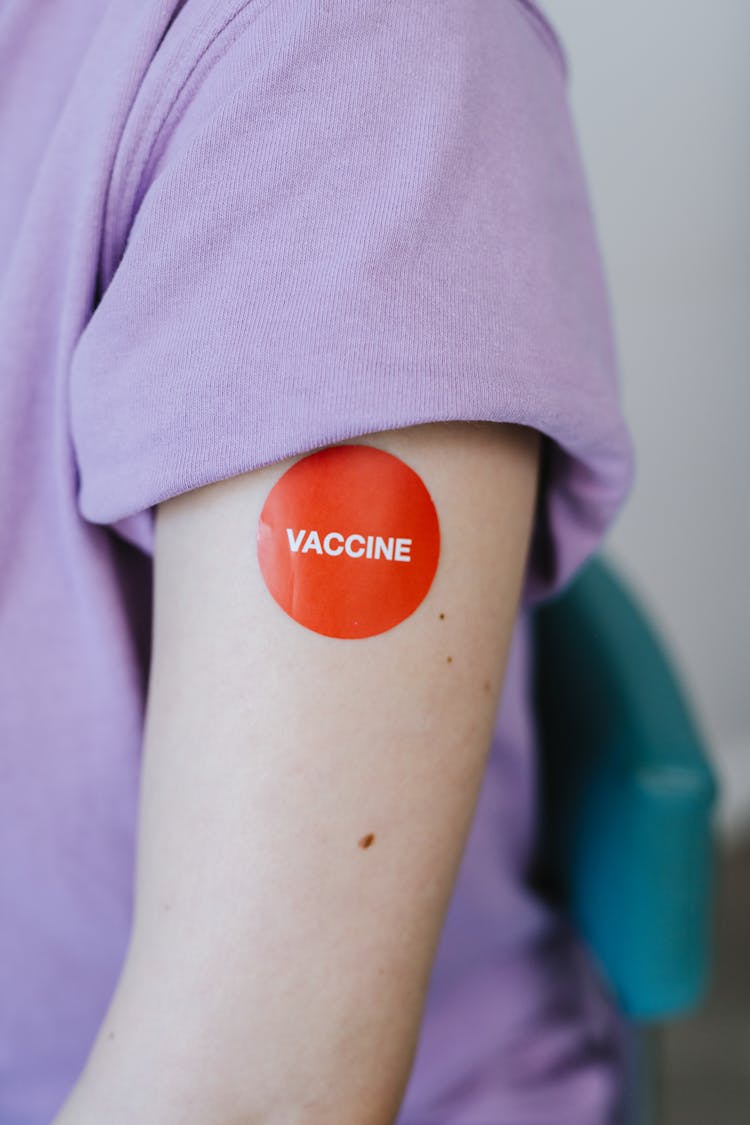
{"x":232,"y":231}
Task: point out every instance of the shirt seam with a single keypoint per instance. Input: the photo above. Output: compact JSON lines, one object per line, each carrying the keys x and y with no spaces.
{"x":545,"y":31}
{"x":137,"y":163}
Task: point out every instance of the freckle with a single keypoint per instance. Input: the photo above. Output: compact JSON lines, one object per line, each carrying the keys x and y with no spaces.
{"x":111,"y":1035}
{"x":487,"y":685}
{"x":367,"y":840}
{"x":450,"y":660}
{"x":442,"y":616}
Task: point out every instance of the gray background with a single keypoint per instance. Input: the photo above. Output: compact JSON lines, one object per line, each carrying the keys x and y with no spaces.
{"x":661,"y":100}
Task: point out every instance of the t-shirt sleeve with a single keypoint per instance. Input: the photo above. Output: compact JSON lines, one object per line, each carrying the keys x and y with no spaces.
{"x":353,"y":216}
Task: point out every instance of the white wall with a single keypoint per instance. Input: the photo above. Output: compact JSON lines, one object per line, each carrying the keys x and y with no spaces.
{"x":661,"y":98}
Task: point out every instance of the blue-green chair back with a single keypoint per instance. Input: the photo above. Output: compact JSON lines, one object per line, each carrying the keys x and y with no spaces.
{"x":627,"y":792}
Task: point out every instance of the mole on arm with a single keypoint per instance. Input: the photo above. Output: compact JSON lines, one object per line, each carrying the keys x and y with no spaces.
{"x":367,"y":840}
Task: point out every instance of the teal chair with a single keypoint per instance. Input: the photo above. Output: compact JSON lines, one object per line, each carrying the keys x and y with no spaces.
{"x":626,"y":797}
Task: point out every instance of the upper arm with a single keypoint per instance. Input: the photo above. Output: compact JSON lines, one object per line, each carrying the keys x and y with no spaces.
{"x":290,"y":263}
{"x":263,"y":927}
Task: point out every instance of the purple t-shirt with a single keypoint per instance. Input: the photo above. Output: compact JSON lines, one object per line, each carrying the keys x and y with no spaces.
{"x":232,"y":231}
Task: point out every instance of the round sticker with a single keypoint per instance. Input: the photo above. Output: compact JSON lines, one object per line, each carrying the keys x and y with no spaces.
{"x":348,"y":541}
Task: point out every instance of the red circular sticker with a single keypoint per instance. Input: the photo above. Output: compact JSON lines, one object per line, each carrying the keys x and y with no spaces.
{"x":348,"y":541}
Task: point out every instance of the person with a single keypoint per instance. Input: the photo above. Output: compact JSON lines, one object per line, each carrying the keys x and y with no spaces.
{"x":274,"y":267}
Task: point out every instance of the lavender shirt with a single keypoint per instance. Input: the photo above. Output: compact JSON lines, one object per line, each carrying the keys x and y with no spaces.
{"x":232,"y":231}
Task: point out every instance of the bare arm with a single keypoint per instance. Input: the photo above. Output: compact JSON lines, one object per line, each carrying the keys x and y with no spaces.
{"x":280,"y":956}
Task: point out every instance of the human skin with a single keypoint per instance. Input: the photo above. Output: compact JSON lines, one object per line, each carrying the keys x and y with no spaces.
{"x":305,"y":802}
